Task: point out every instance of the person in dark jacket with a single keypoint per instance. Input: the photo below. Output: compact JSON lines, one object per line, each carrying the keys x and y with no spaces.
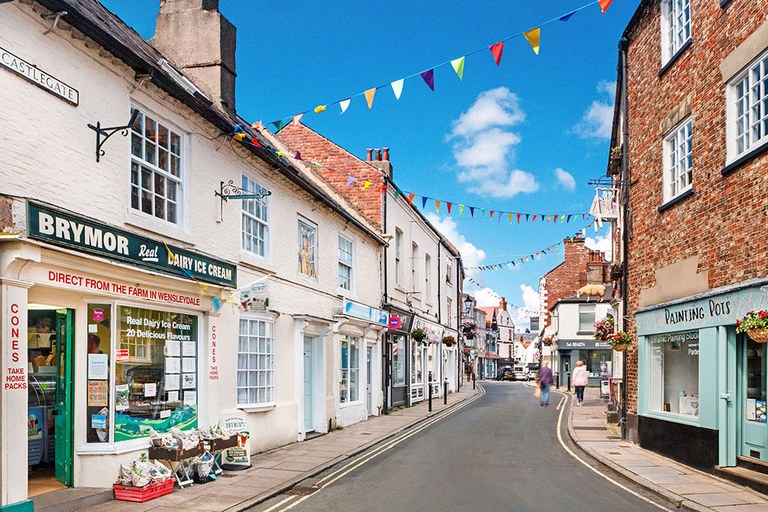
{"x":545,"y":380}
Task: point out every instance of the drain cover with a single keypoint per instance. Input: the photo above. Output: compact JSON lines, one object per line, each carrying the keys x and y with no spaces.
{"x":302,"y":491}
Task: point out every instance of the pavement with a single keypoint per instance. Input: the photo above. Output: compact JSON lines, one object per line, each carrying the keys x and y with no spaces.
{"x":279,"y":470}
{"x":687,"y":488}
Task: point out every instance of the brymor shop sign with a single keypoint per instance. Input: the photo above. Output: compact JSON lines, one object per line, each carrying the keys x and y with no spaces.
{"x":80,"y":233}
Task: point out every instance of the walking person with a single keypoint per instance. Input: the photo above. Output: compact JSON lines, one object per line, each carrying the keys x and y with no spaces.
{"x":580,"y":380}
{"x":545,"y":380}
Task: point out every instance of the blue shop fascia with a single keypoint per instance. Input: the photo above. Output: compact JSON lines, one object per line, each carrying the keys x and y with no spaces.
{"x":701,"y":385}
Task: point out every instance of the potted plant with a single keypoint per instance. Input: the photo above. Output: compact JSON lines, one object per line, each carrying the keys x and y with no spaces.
{"x":449,"y":341}
{"x":419,"y":334}
{"x":469,"y":330}
{"x":604,"y":328}
{"x":620,"y":341}
{"x":755,"y":324}
{"x":547,"y":340}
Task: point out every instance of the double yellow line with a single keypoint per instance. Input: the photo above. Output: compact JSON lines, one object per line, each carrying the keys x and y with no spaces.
{"x":292,"y":501}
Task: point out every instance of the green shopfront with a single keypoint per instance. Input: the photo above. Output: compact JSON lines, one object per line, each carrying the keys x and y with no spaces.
{"x":702,"y":386}
{"x":113,"y":335}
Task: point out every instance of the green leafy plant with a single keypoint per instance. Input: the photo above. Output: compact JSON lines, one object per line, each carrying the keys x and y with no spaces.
{"x":547,"y":340}
{"x":620,"y":338}
{"x":604,"y":328}
{"x":755,"y":319}
{"x":418,"y":334}
{"x":449,"y":341}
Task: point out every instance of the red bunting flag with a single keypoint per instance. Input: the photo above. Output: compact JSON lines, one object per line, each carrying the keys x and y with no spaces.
{"x":255,"y":142}
{"x":298,"y":156}
{"x":534,"y":218}
{"x":604,"y":4}
{"x":491,"y":214}
{"x":448,"y":205}
{"x":497,"y":48}
{"x":518,"y":218}
{"x":410,"y":198}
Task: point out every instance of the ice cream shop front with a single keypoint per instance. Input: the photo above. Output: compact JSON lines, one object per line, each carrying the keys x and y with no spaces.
{"x":109,"y":335}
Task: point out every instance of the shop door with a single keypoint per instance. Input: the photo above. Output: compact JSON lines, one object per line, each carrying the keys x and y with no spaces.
{"x":309,"y":396}
{"x":368,"y":390}
{"x":63,"y":413}
{"x":754,"y":438}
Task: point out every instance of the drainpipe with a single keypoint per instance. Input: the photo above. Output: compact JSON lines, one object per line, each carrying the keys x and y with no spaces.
{"x":387,"y":379}
{"x":625,"y":179}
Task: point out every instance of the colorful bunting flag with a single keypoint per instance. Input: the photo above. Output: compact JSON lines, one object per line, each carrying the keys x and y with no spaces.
{"x":461,"y":209}
{"x":472,"y":211}
{"x":239,"y":137}
{"x":350,"y":180}
{"x":297,"y":119}
{"x":366,"y":184}
{"x":410,"y":198}
{"x":567,"y":16}
{"x":423,"y":202}
{"x":429,"y":78}
{"x":397,"y":87}
{"x":458,"y":67}
{"x":320,"y":108}
{"x":369,"y":97}
{"x":344,"y":104}
{"x":437,"y":206}
{"x":534,"y":38}
{"x":279,"y":124}
{"x":604,"y":4}
{"x":257,"y":125}
{"x":448,"y":205}
{"x":496,"y":50}
{"x":297,"y":156}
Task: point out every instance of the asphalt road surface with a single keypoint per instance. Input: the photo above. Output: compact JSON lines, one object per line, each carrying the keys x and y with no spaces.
{"x":500,"y":452}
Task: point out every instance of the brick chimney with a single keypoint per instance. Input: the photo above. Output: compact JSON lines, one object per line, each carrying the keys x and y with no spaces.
{"x":503,"y":304}
{"x":200,"y":41}
{"x":381,"y":162}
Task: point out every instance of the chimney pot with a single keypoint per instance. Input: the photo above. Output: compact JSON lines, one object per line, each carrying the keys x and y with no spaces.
{"x":368,"y":154}
{"x":378,"y":155}
{"x":386,"y":154}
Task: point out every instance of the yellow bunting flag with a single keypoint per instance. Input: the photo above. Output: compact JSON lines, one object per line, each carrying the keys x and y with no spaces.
{"x":534,"y":38}
{"x":510,"y":217}
{"x":320,"y":108}
{"x":369,"y":97}
{"x":437,"y":206}
{"x":461,"y":209}
{"x":366,"y":184}
{"x":239,"y":137}
{"x":458,"y":67}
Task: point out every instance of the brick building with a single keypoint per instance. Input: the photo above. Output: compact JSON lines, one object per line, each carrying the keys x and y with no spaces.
{"x":688,"y":155}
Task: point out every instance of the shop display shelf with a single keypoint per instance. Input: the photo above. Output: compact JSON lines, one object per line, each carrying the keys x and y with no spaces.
{"x":160,"y":453}
{"x":142,"y":494}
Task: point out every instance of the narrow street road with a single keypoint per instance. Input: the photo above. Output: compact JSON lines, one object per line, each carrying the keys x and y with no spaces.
{"x":500,"y":452}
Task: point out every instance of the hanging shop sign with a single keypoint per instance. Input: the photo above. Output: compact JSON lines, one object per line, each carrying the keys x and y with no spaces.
{"x":38,"y":77}
{"x":255,"y":296}
{"x":434,"y":331}
{"x":373,"y":315}
{"x":73,"y":231}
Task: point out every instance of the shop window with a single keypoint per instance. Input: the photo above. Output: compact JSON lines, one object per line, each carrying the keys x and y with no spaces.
{"x":156,"y":386}
{"x":255,"y":363}
{"x":755,"y":407}
{"x":398,"y":256}
{"x":307,"y":249}
{"x":417,"y":363}
{"x":586,"y":318}
{"x":595,"y":361}
{"x":350,"y":370}
{"x":748,"y":109}
{"x":398,"y":360}
{"x":674,"y":373}
{"x":255,"y":227}
{"x":448,"y":270}
{"x":156,"y":169}
{"x":345,"y":263}
{"x":675,"y":27}
{"x":99,"y":341}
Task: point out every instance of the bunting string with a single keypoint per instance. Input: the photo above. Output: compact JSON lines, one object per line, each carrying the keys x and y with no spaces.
{"x":532,"y":36}
{"x":534,"y":256}
{"x":523,"y":310}
{"x":417,"y":199}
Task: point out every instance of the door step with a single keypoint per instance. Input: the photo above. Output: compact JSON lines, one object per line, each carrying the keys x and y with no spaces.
{"x":71,"y":499}
{"x":746,"y":476}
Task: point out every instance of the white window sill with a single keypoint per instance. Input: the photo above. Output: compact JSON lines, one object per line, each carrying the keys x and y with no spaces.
{"x":134,"y":219}
{"x":257,"y":408}
{"x":113,"y":448}
{"x":347,"y":405}
{"x":256,"y":261}
{"x":687,"y":419}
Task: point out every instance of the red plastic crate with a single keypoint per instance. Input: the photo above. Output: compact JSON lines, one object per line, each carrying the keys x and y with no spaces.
{"x":142,"y":494}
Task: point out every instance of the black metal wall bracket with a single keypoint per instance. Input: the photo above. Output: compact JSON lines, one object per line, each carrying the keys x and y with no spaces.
{"x":107,"y":132}
{"x":229,"y":191}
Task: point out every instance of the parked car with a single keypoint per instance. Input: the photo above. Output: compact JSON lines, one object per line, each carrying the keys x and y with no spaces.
{"x":521,"y":373}
{"x":533,"y":374}
{"x":506,"y":373}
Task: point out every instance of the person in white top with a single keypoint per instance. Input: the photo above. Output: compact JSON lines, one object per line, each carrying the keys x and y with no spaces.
{"x":580,"y":379}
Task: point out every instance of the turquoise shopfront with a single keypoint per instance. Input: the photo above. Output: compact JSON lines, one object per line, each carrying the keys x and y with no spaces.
{"x":702,"y":386}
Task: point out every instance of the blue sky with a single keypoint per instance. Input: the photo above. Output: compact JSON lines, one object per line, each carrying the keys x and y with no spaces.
{"x":524,"y":136}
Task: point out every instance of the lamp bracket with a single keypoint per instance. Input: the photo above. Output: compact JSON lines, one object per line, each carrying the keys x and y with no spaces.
{"x":229,"y":191}
{"x":109,"y":131}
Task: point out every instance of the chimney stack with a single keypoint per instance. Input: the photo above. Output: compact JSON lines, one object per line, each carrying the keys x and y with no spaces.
{"x":381,"y":162}
{"x":200,"y":41}
{"x":503,"y":304}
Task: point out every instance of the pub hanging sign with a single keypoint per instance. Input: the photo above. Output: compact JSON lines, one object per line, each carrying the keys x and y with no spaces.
{"x":73,"y":231}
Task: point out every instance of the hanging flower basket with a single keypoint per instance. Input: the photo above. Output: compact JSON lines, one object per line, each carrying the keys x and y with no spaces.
{"x":604,"y":328}
{"x":449,"y":341}
{"x":419,"y":335}
{"x":755,"y":324}
{"x":620,"y":341}
{"x":547,"y":341}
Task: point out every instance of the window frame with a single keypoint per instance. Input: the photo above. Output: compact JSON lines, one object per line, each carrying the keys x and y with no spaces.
{"x":732,"y":117}
{"x":414,"y":267}
{"x":345,"y":394}
{"x":669,"y":18}
{"x":591,"y":324}
{"x":351,"y":264}
{"x":269,"y":358}
{"x":314,"y":260}
{"x":156,"y":170}
{"x":427,"y":282}
{"x":246,"y":182}
{"x":398,"y":257}
{"x":671,"y":164}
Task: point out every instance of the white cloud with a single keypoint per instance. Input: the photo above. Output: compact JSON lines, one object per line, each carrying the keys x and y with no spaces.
{"x":483,"y":145}
{"x":471,"y":256}
{"x":565,"y":179}
{"x":530,"y":302}
{"x":600,"y":243}
{"x":597,"y":121}
{"x":486,"y":297}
